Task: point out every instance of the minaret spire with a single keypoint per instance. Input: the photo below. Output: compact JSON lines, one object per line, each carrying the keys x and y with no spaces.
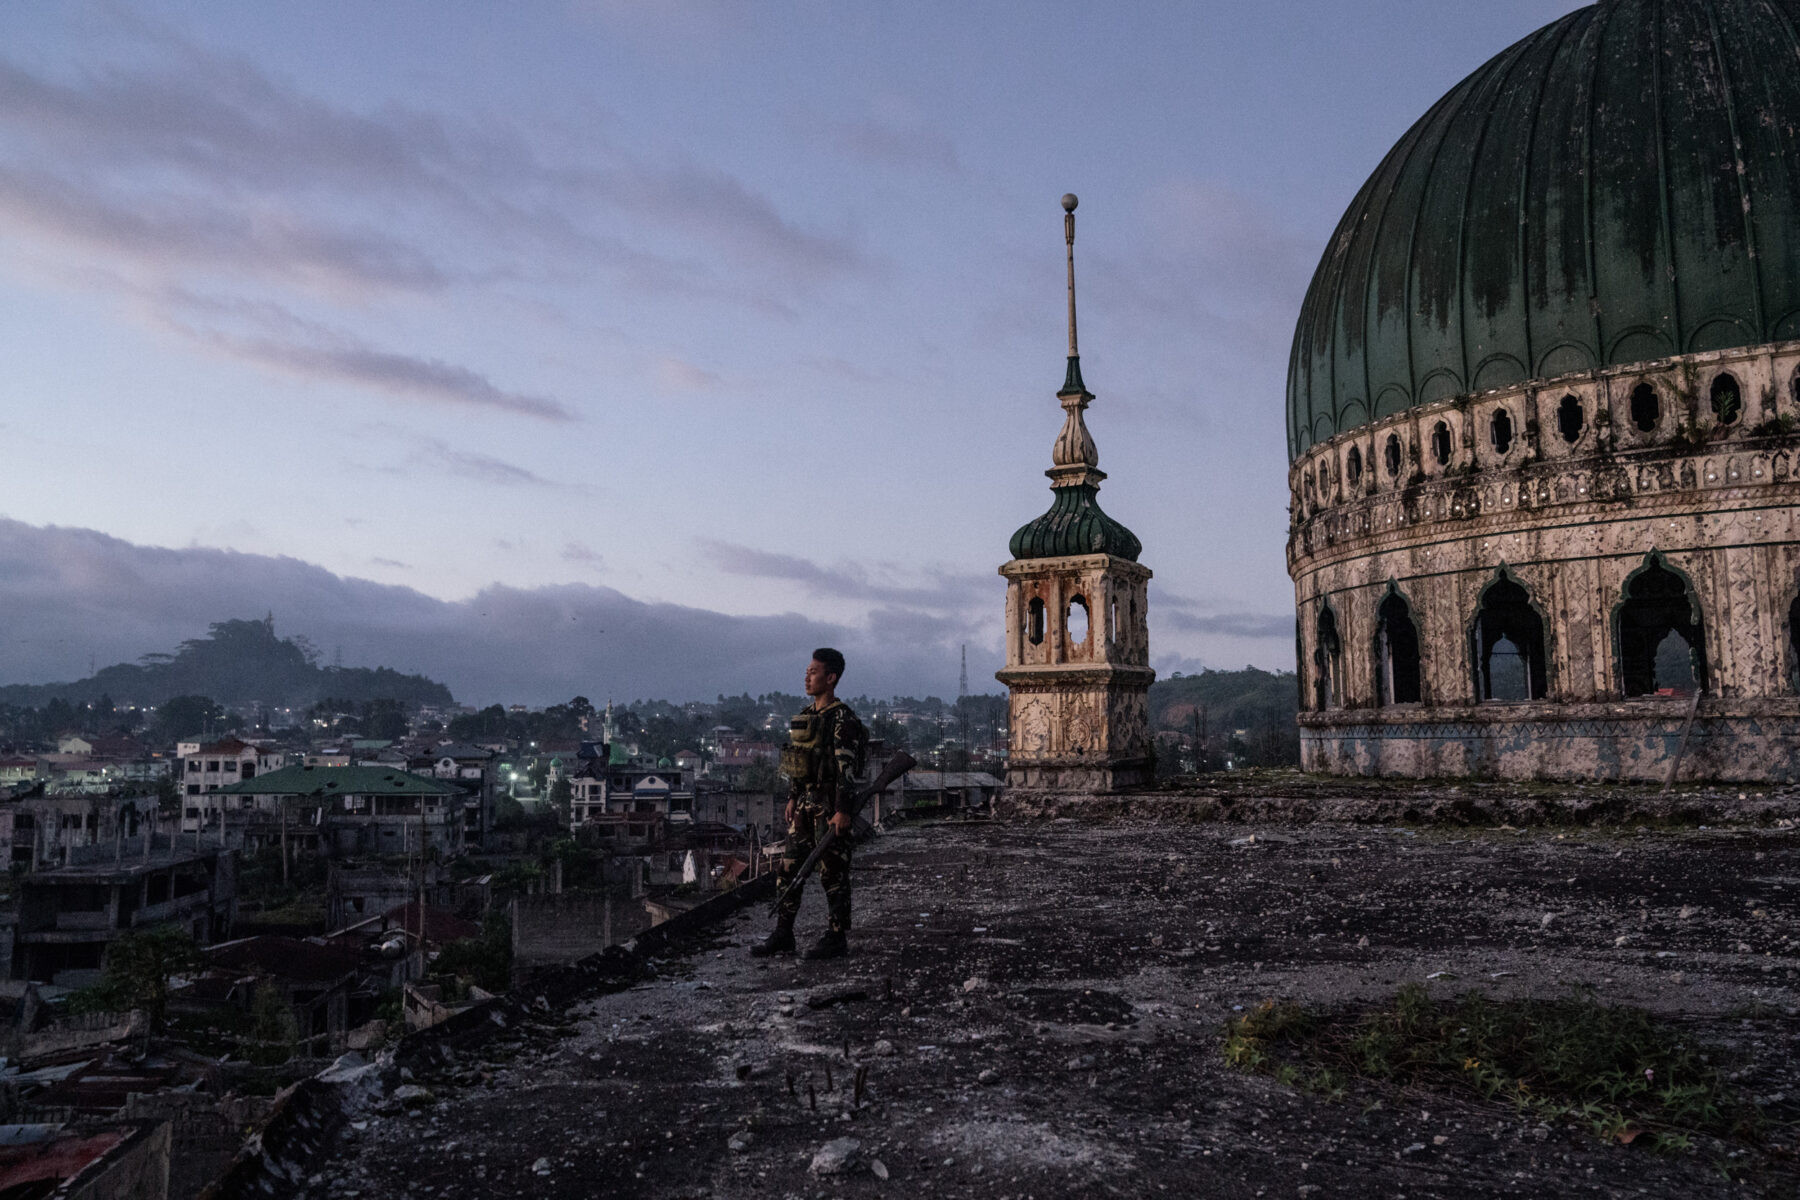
{"x":1072,"y":378}
{"x":1076,"y":460}
{"x":1069,"y":202}
{"x":1077,"y":708}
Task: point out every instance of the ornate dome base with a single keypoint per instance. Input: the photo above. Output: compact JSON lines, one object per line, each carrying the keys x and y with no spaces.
{"x":1747,"y":741}
{"x":1532,"y":583}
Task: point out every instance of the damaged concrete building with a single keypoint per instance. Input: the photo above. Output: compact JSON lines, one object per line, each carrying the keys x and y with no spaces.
{"x":1544,"y":417}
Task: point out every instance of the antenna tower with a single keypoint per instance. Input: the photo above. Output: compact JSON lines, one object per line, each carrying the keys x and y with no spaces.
{"x":962,"y":684}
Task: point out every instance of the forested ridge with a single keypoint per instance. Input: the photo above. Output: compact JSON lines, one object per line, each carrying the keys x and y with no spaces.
{"x":237,"y":663}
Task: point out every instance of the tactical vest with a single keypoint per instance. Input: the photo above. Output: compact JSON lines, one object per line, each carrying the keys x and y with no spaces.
{"x":808,"y":758}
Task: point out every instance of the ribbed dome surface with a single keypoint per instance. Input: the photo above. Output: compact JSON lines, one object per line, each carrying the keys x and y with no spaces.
{"x":1075,"y":525}
{"x":1617,"y":187}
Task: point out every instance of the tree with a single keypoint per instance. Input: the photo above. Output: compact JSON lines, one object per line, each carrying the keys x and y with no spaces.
{"x":562,"y":796}
{"x":138,"y":967}
{"x":187,"y":716}
{"x":384,"y":719}
{"x":485,"y":961}
{"x":761,"y":777}
{"x":491,"y":722}
{"x":168,"y":797}
{"x":274,"y":1028}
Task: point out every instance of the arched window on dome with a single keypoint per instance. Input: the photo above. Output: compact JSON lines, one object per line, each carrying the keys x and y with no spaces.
{"x":1396,"y":652}
{"x":1727,"y":398}
{"x":1646,"y":408}
{"x":1794,"y":645}
{"x":1508,"y":644}
{"x":1328,"y":662}
{"x":1353,"y":466}
{"x":1300,"y":664}
{"x":1570,"y":419}
{"x":1662,"y":647}
{"x":1034,"y":622}
{"x":1391,"y":455}
{"x":1500,"y":432}
{"x":1440,"y":443}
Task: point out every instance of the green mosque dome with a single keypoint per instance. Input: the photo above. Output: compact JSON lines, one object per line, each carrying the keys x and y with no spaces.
{"x":1619,"y":186}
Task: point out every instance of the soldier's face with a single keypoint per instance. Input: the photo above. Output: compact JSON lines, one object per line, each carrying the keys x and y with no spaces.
{"x":818,"y":679}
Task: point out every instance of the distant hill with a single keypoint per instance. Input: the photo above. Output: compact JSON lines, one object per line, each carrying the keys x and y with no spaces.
{"x":238,"y":662}
{"x":1245,"y":699}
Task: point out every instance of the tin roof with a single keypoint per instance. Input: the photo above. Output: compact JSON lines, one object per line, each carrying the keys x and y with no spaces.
{"x":340,"y":781}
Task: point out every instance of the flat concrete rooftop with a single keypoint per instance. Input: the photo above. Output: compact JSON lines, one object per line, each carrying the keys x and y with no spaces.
{"x":1038,"y":1007}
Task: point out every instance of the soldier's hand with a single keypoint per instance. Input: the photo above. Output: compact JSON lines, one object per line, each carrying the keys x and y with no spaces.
{"x":789,"y":815}
{"x":840,"y":824}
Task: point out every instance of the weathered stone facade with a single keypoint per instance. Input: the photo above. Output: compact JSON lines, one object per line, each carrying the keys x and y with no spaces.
{"x":1077,"y":715}
{"x":1592,"y":483}
{"x":1077,"y":627}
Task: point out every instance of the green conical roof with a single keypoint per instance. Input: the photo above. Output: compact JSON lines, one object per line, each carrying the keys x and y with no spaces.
{"x":1622,"y":185}
{"x":1075,"y":525}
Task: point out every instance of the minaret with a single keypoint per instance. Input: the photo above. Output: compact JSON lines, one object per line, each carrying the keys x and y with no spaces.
{"x":1077,"y":633}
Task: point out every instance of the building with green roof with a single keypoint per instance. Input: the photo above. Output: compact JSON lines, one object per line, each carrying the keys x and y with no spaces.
{"x":1541,"y":413}
{"x":357,"y":810}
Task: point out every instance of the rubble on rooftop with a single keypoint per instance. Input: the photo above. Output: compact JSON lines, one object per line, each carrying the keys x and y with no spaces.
{"x":1035,"y":1009}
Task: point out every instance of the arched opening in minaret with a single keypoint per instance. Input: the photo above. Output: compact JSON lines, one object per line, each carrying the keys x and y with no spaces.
{"x":1396,"y":652}
{"x":1509,"y":644}
{"x":1075,"y":621}
{"x":1662,"y":650}
{"x":1328,"y":661}
{"x":1034,"y":622}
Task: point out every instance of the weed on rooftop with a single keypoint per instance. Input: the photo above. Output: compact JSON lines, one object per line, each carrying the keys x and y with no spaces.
{"x":1617,"y":1071}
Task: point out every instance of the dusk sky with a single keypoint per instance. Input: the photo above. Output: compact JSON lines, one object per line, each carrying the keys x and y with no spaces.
{"x":627,"y":347}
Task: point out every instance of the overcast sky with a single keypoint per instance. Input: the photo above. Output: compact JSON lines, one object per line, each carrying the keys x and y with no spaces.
{"x":745,"y":317}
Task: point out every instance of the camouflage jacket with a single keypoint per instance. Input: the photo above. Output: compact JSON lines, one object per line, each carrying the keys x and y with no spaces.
{"x":842,"y":743}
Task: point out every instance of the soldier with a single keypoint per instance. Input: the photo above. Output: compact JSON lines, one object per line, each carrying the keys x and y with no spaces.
{"x":823,"y":757}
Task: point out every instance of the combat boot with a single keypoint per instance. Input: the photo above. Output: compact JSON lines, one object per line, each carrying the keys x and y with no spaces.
{"x":779,"y":941}
{"x":831,"y":944}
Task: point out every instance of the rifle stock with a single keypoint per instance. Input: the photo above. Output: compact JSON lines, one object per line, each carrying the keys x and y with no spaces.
{"x":897,"y":766}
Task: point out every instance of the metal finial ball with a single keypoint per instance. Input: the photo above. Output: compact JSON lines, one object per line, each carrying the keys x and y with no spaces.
{"x":1069,"y":202}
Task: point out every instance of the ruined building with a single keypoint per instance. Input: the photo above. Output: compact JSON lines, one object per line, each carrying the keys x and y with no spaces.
{"x":1542,"y":412}
{"x":1077,"y":636}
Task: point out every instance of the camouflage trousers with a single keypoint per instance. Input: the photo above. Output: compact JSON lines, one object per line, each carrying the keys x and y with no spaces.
{"x":811,"y":823}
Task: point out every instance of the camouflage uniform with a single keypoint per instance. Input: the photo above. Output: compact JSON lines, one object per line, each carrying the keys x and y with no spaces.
{"x":826,"y":784}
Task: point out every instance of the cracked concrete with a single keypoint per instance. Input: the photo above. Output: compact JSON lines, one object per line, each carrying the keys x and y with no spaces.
{"x":1035,"y":1010}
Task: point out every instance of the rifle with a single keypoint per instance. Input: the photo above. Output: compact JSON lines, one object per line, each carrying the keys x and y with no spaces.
{"x":897,"y":766}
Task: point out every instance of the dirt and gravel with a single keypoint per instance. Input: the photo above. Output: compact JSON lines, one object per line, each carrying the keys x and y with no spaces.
{"x":1035,"y":1009}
